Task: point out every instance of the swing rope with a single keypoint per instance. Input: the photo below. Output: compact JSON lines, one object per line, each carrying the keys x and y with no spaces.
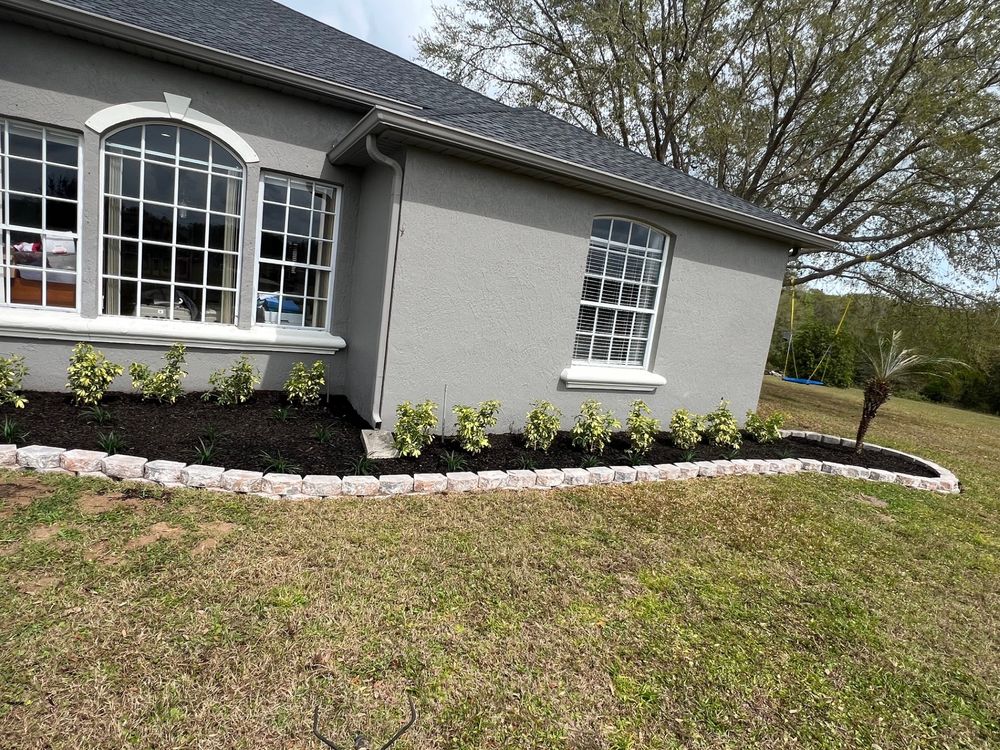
{"x":835,"y":334}
{"x":791,"y":334}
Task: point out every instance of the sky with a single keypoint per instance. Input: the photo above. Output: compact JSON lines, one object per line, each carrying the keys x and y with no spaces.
{"x":390,"y":24}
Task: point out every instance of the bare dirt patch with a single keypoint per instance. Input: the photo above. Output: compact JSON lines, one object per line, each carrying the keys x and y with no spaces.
{"x":215,"y":531}
{"x":45,"y":533}
{"x":155,"y":533}
{"x":871,"y":500}
{"x":38,"y":584}
{"x":20,"y":493}
{"x":95,"y":503}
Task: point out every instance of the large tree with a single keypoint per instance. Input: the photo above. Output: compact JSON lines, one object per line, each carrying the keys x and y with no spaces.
{"x":875,"y":122}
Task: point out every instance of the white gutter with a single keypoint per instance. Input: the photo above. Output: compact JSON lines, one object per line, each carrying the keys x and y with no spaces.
{"x":413,"y":124}
{"x":392,"y":249}
{"x":56,"y":14}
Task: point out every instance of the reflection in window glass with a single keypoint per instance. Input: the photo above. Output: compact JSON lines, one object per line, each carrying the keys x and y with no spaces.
{"x":296,"y":252}
{"x":39,"y":236}
{"x":622,"y":277}
{"x":173,"y":209}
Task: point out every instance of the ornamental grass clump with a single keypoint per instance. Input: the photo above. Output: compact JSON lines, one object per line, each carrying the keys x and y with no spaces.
{"x":686,"y":429}
{"x":541,"y":425}
{"x":764,"y":430}
{"x":90,"y":374}
{"x":163,"y":385}
{"x":594,"y":428}
{"x":641,"y":427}
{"x":234,"y":386}
{"x":13,"y":371}
{"x":415,"y":425}
{"x":472,"y":422}
{"x":303,"y":386}
{"x":721,"y":428}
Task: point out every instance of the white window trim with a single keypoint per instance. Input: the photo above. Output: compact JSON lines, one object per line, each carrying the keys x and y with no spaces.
{"x":58,"y":326}
{"x":4,"y":153}
{"x":339,"y":191}
{"x":176,"y":108}
{"x":101,"y":237}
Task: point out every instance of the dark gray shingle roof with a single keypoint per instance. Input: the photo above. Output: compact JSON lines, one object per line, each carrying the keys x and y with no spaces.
{"x":271,"y":33}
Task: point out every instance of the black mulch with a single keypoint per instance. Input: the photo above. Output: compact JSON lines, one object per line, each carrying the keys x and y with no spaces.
{"x":252,"y":436}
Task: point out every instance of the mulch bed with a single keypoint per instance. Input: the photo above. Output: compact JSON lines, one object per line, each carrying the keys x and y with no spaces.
{"x":250,"y":436}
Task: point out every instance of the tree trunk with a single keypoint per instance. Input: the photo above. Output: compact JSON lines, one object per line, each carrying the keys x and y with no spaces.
{"x":877,"y":392}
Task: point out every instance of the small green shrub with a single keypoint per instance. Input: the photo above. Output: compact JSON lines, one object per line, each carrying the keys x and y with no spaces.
{"x":234,"y":386}
{"x":11,"y":432}
{"x":765,"y":430}
{"x":541,"y":425}
{"x":303,"y":386}
{"x":204,"y":452}
{"x":323,"y":433}
{"x":13,"y":371}
{"x":163,"y":385}
{"x":414,"y":425}
{"x":721,"y":428}
{"x":98,"y":415}
{"x":454,"y":461}
{"x":362,"y":467}
{"x":111,"y":442}
{"x":686,"y":429}
{"x":472,"y":423}
{"x":594,"y":427}
{"x":277,"y":464}
{"x":281,"y":413}
{"x":641,"y":427}
{"x":90,"y":374}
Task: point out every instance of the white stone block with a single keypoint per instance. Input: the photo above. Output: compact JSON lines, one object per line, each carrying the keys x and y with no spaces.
{"x":908,"y":480}
{"x":242,"y":481}
{"x":197,"y":475}
{"x":548,"y":477}
{"x":360,"y":486}
{"x":670,"y":471}
{"x":576,"y":477}
{"x":624,"y":474}
{"x":811,"y":464}
{"x":724,"y":467}
{"x":462,"y":481}
{"x":492,"y":480}
{"x":706,"y":468}
{"x":395,"y":484}
{"x":646,"y":473}
{"x":80,"y":461}
{"x":688,"y":469}
{"x":519,"y":479}
{"x":791,"y":466}
{"x":124,"y":467}
{"x":880,"y":475}
{"x":163,"y":472}
{"x":321,"y":485}
{"x":8,"y":455}
{"x":601,"y":475}
{"x":281,"y":485}
{"x":430,"y":482}
{"x":39,"y":457}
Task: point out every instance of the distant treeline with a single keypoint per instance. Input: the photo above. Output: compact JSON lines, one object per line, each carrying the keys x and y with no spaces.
{"x":969,"y":335}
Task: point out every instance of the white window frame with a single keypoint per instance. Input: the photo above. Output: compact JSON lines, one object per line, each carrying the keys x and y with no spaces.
{"x":338,"y":192}
{"x":579,"y":364}
{"x":238,"y":255}
{"x":6,"y":226}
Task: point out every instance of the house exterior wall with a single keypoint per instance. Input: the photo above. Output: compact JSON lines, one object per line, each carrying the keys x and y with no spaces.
{"x":488,"y":285}
{"x":289,"y":134}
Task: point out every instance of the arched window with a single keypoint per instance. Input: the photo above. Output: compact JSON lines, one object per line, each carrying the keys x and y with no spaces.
{"x":621,"y":286}
{"x":173,"y":215}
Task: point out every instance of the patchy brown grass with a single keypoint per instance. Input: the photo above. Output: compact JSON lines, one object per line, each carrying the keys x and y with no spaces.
{"x":742,"y":612}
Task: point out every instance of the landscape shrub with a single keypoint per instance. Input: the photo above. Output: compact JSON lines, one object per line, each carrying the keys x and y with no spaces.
{"x":686,"y":429}
{"x":594,"y":427}
{"x":90,"y":374}
{"x":721,"y":428}
{"x":163,"y":385}
{"x":764,"y":430}
{"x":304,"y":386}
{"x":541,"y":425}
{"x":641,"y":427}
{"x":234,"y":386}
{"x":472,"y":424}
{"x":415,"y":424}
{"x":13,"y":371}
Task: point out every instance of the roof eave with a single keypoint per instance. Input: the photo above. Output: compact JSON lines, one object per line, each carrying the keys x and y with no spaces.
{"x":380,"y":120}
{"x":48,"y":12}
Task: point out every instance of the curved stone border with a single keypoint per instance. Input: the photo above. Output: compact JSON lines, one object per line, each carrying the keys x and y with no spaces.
{"x":176,"y":474}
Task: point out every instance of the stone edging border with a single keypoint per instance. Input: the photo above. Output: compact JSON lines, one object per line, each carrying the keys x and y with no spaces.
{"x":293,"y":486}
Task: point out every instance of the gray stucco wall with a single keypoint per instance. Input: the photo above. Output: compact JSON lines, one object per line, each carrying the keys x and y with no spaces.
{"x":489,"y":277}
{"x":289,"y":134}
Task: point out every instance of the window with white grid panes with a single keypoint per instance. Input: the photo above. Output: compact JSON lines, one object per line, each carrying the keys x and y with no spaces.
{"x":621,"y":286}
{"x":296,"y":250}
{"x":39,"y":216}
{"x":173,"y":215}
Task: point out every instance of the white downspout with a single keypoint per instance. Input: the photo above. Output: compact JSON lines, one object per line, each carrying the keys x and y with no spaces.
{"x":371,"y":145}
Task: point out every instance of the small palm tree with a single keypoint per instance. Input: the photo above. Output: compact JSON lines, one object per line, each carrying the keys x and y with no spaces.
{"x":890,"y":365}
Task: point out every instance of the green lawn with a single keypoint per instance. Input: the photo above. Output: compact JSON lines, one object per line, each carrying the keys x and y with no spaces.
{"x":737,"y":612}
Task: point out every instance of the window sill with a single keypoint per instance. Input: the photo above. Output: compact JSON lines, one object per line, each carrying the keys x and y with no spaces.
{"x":596,"y":378}
{"x":67,"y":326}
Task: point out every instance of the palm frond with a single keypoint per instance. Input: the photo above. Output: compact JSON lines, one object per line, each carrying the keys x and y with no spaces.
{"x":892,"y":362}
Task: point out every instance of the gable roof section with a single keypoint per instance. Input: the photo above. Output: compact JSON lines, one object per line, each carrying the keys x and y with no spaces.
{"x":286,"y":41}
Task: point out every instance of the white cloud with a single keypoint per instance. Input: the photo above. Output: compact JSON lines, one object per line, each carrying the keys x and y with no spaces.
{"x":390,"y":24}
